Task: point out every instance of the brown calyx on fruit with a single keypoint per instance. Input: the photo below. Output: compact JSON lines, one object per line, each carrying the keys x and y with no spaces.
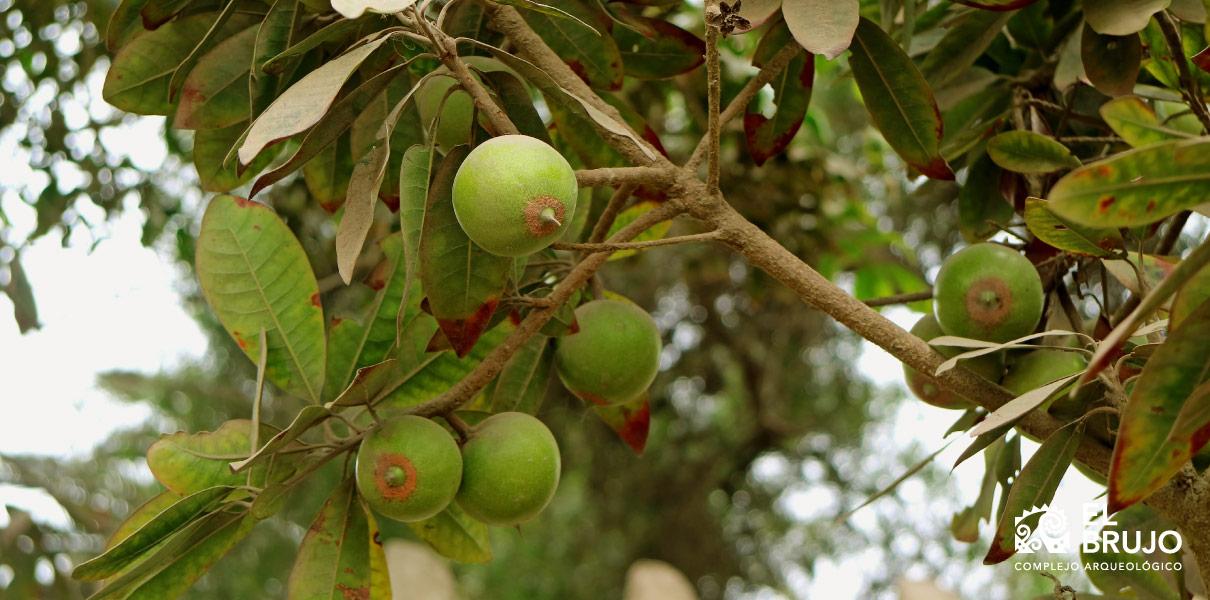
{"x":989,"y":301}
{"x":543,"y":215}
{"x":395,"y":476}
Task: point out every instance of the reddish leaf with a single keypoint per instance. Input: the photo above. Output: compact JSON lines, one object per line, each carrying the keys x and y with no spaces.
{"x":768,"y":137}
{"x":656,"y":49}
{"x":630,"y":420}
{"x":1111,"y":62}
{"x":1202,"y":59}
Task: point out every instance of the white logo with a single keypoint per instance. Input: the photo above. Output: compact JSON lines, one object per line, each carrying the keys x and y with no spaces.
{"x":1047,"y":527}
{"x":1042,"y":527}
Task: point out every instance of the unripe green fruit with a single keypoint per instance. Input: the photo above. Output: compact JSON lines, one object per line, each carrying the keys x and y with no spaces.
{"x":458,"y":111}
{"x":988,"y":292}
{"x":1040,"y":367}
{"x":510,"y":469}
{"x":409,"y":468}
{"x":613,"y":356}
{"x":514,"y":195}
{"x":988,"y":366}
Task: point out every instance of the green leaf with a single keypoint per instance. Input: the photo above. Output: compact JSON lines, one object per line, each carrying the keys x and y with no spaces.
{"x":177,"y":562}
{"x":1029,"y":152}
{"x":1067,"y":236}
{"x":414,"y":174}
{"x":965,"y":524}
{"x":1149,"y":448}
{"x":367,"y":384}
{"x":1131,"y":118}
{"x":142,"y":516}
{"x":137,"y":80}
{"x":1111,"y":62}
{"x":1137,"y":187}
{"x":124,"y":24}
{"x":631,"y":420}
{"x":274,"y":35}
{"x":344,"y":343}
{"x":962,"y":45}
{"x":211,"y":147}
{"x":822,"y":26}
{"x":521,"y":384}
{"x":190,"y":462}
{"x":655,"y":48}
{"x":1121,"y":17}
{"x":592,"y":54}
{"x":255,"y":275}
{"x":981,"y":205}
{"x":973,"y":119}
{"x":333,"y":560}
{"x":306,"y":418}
{"x":899,"y":100}
{"x":164,"y":523}
{"x":1193,"y":294}
{"x":455,"y":535}
{"x":215,"y":94}
{"x":334,"y":32}
{"x":768,"y":137}
{"x":516,"y":101}
{"x":463,"y":282}
{"x":380,"y":575}
{"x":1035,"y":486}
{"x":327,"y":174}
{"x":439,"y":371}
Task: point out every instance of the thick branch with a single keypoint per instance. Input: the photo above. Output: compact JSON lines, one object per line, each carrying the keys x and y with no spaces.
{"x":468,"y":386}
{"x":713,"y":85}
{"x":616,"y":176}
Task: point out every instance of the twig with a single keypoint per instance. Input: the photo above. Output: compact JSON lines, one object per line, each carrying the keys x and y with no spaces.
{"x":1190,"y":90}
{"x":713,"y":85}
{"x":460,"y":426}
{"x":1069,"y":307}
{"x":745,"y":95}
{"x":899,"y":299}
{"x":614,"y":176}
{"x":605,"y":221}
{"x":672,"y":241}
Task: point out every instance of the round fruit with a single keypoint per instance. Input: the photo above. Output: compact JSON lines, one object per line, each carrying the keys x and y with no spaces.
{"x":1040,"y":367}
{"x":988,"y":366}
{"x":514,"y":195}
{"x":613,"y":356}
{"x":988,"y":292}
{"x":458,"y":110}
{"x":409,"y":468}
{"x":510,"y":469}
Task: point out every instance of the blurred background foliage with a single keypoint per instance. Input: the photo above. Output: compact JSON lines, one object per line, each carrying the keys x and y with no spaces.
{"x":763,"y":432}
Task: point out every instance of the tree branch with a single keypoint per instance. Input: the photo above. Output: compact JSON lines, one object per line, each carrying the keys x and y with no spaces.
{"x":617,"y":247}
{"x":713,"y":85}
{"x":614,"y":176}
{"x":900,"y":299}
{"x":1190,"y":90}
{"x":616,"y":203}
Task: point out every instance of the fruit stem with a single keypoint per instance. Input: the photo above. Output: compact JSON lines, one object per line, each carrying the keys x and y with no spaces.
{"x":460,"y":426}
{"x":548,"y":215}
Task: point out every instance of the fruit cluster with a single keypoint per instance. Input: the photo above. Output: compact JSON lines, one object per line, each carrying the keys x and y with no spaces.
{"x":989,"y":292}
{"x":505,"y":472}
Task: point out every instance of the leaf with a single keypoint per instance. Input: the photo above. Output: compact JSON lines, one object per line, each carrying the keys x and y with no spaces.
{"x":655,"y":48}
{"x":1035,"y":486}
{"x":306,"y":418}
{"x":141,"y":516}
{"x":1131,"y":118}
{"x":367,"y":384}
{"x":1111,"y":62}
{"x":124,"y":24}
{"x":962,"y":45}
{"x":1066,"y":236}
{"x":631,"y":420}
{"x":899,"y":100}
{"x":305,"y":102}
{"x":190,"y":462}
{"x":380,"y":575}
{"x":1193,"y":294}
{"x":965,"y":524}
{"x":162,"y":524}
{"x":137,"y":80}
{"x":516,"y":101}
{"x":822,"y":26}
{"x":255,"y":275}
{"x":768,"y":137}
{"x":328,"y":173}
{"x":1121,"y":17}
{"x":274,"y":35}
{"x":1017,"y":407}
{"x":332,"y":32}
{"x":414,"y":174}
{"x":1136,"y":187}
{"x":439,"y":371}
{"x":211,"y":148}
{"x":1030,"y":153}
{"x":455,"y":535}
{"x":21,"y":294}
{"x":176,"y":563}
{"x":521,"y":384}
{"x":463,"y":282}
{"x":333,"y":560}
{"x":344,"y":349}
{"x":999,"y":5}
{"x":626,"y":217}
{"x":351,"y":9}
{"x":215,"y":93}
{"x":594,"y":57}
{"x":1149,"y":448}
{"x":919,"y":466}
{"x":981,"y":206}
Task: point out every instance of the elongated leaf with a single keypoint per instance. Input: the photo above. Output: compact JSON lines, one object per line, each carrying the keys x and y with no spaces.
{"x":328,"y":173}
{"x":1111,"y":62}
{"x":190,"y":462}
{"x":351,"y":9}
{"x":964,"y":42}
{"x":1067,"y":236}
{"x":631,"y":420}
{"x":414,"y":175}
{"x":124,"y":24}
{"x":211,"y":148}
{"x":455,"y":535}
{"x":998,"y":5}
{"x":1121,"y":17}
{"x":463,"y":282}
{"x":899,"y":100}
{"x":1137,"y":187}
{"x":1193,"y":294}
{"x":1029,"y":152}
{"x":1035,"y":486}
{"x":141,"y":516}
{"x":332,"y":32}
{"x":981,"y":206}
{"x":1131,"y":118}
{"x":137,"y":80}
{"x":1128,"y":569}
{"x":1017,"y":407}
{"x":1149,"y":449}
{"x":591,"y":53}
{"x":516,"y":100}
{"x":521,"y":385}
{"x":439,"y":371}
{"x":367,"y":384}
{"x":255,"y":275}
{"x":965,"y":524}
{"x":163,"y":524}
{"x":215,"y":93}
{"x":333,"y":560}
{"x":306,"y":418}
{"x":344,"y":343}
{"x":768,"y":137}
{"x":822,"y":26}
{"x":380,"y":576}
{"x":655,"y":48}
{"x":305,"y":102}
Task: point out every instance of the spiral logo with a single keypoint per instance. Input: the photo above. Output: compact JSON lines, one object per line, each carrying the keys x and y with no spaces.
{"x":1041,"y":527}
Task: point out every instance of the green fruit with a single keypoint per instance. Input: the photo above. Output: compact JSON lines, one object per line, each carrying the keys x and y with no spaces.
{"x":409,"y":468}
{"x":988,"y":292}
{"x":459,"y":110}
{"x":510,"y":469}
{"x":1040,"y":367}
{"x":613,"y":356}
{"x":514,"y":195}
{"x":988,"y":366}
